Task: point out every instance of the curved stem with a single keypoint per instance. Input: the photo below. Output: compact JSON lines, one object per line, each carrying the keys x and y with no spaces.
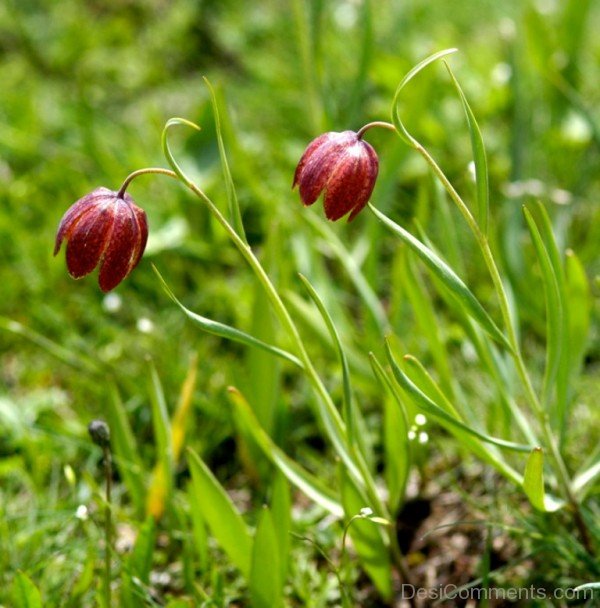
{"x":378,"y":123}
{"x":149,"y":170}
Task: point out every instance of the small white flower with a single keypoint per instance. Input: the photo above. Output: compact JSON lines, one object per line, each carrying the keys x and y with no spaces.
{"x":112,"y":302}
{"x":82,"y":513}
{"x":420,"y":420}
{"x":145,"y":325}
{"x":366,"y":512}
{"x":423,"y":437}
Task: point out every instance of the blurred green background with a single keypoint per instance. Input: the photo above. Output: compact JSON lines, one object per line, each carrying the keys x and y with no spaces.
{"x":86,"y":88}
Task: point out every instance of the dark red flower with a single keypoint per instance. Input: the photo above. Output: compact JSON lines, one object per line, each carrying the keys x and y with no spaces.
{"x":105,"y":229}
{"x":341,"y":165}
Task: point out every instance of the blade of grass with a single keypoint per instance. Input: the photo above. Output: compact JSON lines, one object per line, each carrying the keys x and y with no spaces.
{"x":303,"y":480}
{"x":353,"y":271}
{"x":234,"y":206}
{"x":533,"y":483}
{"x":350,"y":413}
{"x":266,"y":585}
{"x":479,"y":157}
{"x":427,"y":322}
{"x":281,"y":510}
{"x":125,"y":449}
{"x":220,"y":514}
{"x":555,"y":335}
{"x":398,"y":456}
{"x":161,"y":484}
{"x":448,"y":278}
{"x":225,"y":331}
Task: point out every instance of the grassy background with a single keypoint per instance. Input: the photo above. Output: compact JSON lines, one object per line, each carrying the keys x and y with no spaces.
{"x":86,"y":90}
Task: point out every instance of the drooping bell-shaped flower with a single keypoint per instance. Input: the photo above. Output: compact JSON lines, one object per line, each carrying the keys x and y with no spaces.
{"x":344,"y":167}
{"x":104,"y":228}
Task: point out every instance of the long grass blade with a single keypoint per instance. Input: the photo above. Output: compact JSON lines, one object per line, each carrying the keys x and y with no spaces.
{"x":479,"y":157}
{"x":302,"y":479}
{"x":234,"y":206}
{"x":456,"y":287}
{"x":220,"y":514}
{"x":225,"y":331}
{"x":266,"y":585}
{"x":555,"y":335}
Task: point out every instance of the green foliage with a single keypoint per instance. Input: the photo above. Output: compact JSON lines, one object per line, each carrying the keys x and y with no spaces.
{"x":495,"y":332}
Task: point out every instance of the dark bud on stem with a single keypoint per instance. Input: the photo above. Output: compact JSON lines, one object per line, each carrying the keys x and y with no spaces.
{"x":100,"y":433}
{"x":104,"y":228}
{"x":341,"y":165}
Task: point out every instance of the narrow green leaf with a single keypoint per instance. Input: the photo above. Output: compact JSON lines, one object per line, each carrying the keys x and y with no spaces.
{"x":353,"y":270}
{"x":266,"y":585}
{"x":200,"y":534}
{"x":234,"y":206}
{"x":281,"y":510}
{"x":125,"y":449}
{"x":409,"y":76}
{"x":24,"y":593}
{"x":456,"y":287}
{"x":533,"y":483}
{"x":533,"y":480}
{"x":220,"y":514}
{"x":225,"y":331}
{"x":367,"y":538}
{"x":425,"y":316}
{"x":554,"y":310}
{"x":432,"y":408}
{"x":303,"y":480}
{"x":349,"y":410}
{"x":479,"y":157}
{"x":395,"y":438}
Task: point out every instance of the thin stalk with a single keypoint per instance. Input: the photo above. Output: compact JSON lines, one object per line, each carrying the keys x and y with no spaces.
{"x":107,"y":525}
{"x":148,"y":170}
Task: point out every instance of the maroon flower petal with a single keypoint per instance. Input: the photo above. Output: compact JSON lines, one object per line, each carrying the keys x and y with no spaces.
{"x":320,"y":162}
{"x":88,"y":238}
{"x":310,"y":149}
{"x":352,"y":182}
{"x":142,"y":223}
{"x":342,"y":185}
{"x":370,"y":164}
{"x":74,"y":214}
{"x":122,"y":246}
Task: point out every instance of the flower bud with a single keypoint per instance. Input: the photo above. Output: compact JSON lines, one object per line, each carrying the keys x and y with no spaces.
{"x":343,"y":166}
{"x":99,"y":432}
{"x":106,"y":229}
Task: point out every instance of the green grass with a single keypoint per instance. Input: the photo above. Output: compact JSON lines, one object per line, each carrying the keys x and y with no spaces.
{"x":87,"y":89}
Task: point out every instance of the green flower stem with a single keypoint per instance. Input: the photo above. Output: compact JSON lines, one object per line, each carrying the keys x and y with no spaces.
{"x":148,"y":170}
{"x":482,"y":241}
